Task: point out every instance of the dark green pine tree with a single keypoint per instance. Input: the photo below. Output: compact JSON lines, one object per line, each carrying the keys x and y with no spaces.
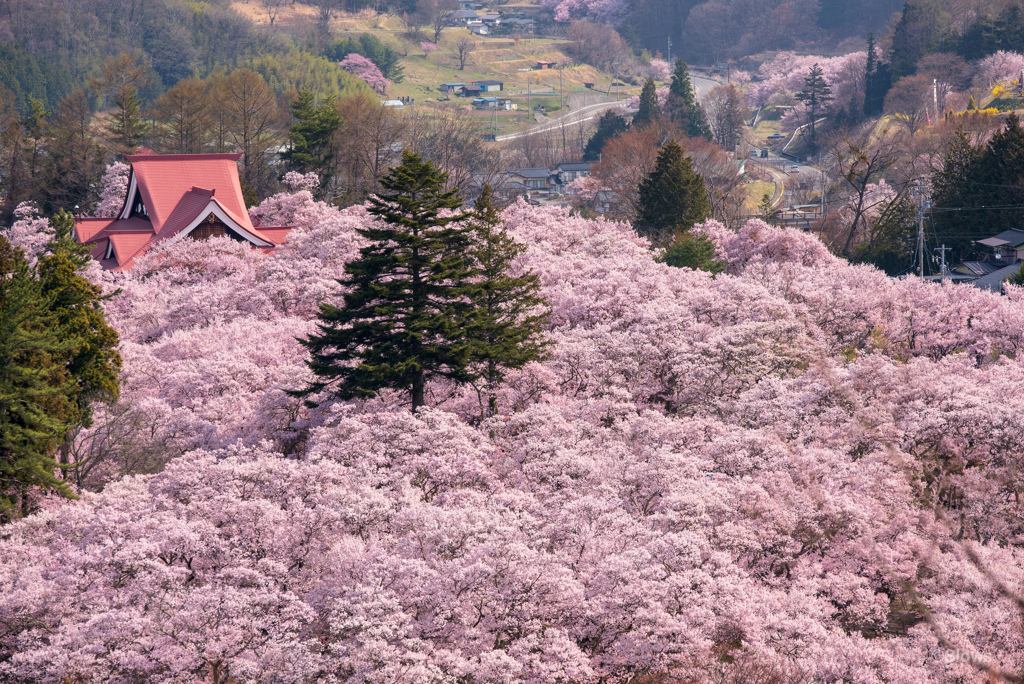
{"x":877,"y":81}
{"x":815,"y":95}
{"x":648,"y":111}
{"x":74,"y":159}
{"x":869,"y":73}
{"x":93,"y":360}
{"x":35,"y":412}
{"x":672,"y":197}
{"x":508,"y":329}
{"x":683,"y":107}
{"x":311,"y":137}
{"x":689,"y":251}
{"x":954,"y":187}
{"x":608,"y":126}
{"x":406,"y":307}
{"x":127,"y":127}
{"x":892,"y":238}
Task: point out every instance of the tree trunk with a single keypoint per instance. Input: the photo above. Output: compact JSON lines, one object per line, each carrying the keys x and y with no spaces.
{"x":417,"y":390}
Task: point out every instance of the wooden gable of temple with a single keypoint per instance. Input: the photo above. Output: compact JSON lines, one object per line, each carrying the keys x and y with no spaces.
{"x":173,"y":197}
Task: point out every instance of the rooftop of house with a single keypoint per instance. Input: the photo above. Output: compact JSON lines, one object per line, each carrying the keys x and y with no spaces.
{"x":487,"y":83}
{"x":532,"y":173}
{"x":1010,"y":238}
{"x":573,"y":166}
{"x":994,"y":281}
{"x":168,"y":196}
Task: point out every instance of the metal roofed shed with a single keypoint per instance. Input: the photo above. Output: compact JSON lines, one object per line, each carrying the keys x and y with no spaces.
{"x":994,"y":281}
{"x":1012,"y":238}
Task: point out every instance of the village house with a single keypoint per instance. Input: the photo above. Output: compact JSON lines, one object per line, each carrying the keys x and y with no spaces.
{"x":567,"y":172}
{"x":173,"y":197}
{"x":535,"y":179}
{"x":490,"y":86}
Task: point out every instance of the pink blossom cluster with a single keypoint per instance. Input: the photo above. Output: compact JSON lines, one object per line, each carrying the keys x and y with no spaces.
{"x":427,"y":46}
{"x":603,"y":11}
{"x":782,"y":76}
{"x":738,"y":477}
{"x":365,"y":69}
{"x":114,"y":187}
{"x":30,"y":232}
{"x":659,"y":69}
{"x":1001,"y":67}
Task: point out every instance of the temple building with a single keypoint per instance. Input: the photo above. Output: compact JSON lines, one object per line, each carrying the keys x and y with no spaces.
{"x":174,"y":197}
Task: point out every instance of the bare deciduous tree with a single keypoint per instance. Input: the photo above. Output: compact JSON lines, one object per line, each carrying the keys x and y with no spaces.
{"x":908,"y":102}
{"x":273,"y":7}
{"x":462,"y":48}
{"x":625,"y":161}
{"x":369,"y":142}
{"x":726,"y":114}
{"x":861,"y":162}
{"x":453,"y":143}
{"x":254,"y":122}
{"x":437,"y":14}
{"x":183,"y":118}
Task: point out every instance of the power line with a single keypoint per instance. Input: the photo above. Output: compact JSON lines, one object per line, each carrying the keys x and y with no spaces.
{"x":994,"y":206}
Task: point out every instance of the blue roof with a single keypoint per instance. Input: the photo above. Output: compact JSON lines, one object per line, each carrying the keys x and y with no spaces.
{"x":453,"y":84}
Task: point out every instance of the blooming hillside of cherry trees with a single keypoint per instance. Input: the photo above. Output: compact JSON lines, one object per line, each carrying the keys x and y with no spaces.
{"x":798,"y":470}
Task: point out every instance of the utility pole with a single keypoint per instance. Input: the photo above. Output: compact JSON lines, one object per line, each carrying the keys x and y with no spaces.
{"x":942,"y":250}
{"x":669,"y":50}
{"x":616,"y":81}
{"x":529,"y":109}
{"x":560,"y":88}
{"x":922,"y":205}
{"x":822,"y":194}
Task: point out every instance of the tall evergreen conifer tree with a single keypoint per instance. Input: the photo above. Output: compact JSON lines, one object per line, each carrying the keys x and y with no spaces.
{"x":406,"y":309}
{"x":647,"y":112}
{"x":608,"y":126}
{"x":683,"y":105}
{"x":35,"y":412}
{"x":507,"y":330}
{"x":988,"y":178}
{"x":673,"y":197}
{"x":311,"y":137}
{"x":93,"y":360}
{"x":815,"y":95}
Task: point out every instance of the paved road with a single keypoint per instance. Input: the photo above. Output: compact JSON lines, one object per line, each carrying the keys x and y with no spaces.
{"x":571,"y":119}
{"x":701,"y":86}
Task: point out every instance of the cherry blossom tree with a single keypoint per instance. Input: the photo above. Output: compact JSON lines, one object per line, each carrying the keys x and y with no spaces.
{"x":114,"y":188}
{"x":366,"y":70}
{"x":659,"y":69}
{"x":603,"y":11}
{"x":1000,"y":67}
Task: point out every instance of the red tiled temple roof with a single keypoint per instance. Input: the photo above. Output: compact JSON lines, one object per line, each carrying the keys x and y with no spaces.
{"x":177,"y":191}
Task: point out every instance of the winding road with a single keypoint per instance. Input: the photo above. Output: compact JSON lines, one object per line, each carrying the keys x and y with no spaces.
{"x":701,"y":86}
